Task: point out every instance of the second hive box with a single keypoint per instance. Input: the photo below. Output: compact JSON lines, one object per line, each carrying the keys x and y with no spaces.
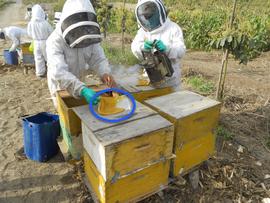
{"x":195,"y":118}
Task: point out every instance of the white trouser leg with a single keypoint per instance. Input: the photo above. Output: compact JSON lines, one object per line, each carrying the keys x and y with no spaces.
{"x":40,"y":56}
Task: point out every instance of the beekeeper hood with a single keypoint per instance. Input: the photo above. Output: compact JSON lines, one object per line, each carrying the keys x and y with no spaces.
{"x":151,"y":14}
{"x":79,"y":24}
{"x":38,"y":13}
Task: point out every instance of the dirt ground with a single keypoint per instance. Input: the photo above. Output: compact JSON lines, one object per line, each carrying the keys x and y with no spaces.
{"x":229,"y":177}
{"x":239,"y":172}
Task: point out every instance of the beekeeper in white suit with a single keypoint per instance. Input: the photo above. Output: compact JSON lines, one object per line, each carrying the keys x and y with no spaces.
{"x":14,"y":34}
{"x":155,"y":26}
{"x":73,"y":49}
{"x":39,"y":29}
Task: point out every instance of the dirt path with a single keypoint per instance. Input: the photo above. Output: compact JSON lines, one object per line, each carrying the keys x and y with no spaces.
{"x":25,"y":180}
{"x":13,"y":14}
{"x":230,"y":177}
{"x":22,"y":180}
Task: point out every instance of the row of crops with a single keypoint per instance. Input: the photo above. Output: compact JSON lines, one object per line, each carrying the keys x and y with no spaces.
{"x":205,"y":25}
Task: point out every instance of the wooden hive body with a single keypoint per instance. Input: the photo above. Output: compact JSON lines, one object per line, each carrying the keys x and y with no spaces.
{"x":120,"y":148}
{"x":195,"y":118}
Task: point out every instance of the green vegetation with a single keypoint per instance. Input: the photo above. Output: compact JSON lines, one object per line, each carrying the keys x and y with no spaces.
{"x":200,"y":84}
{"x":204,"y":22}
{"x":116,"y":56}
{"x":4,"y":3}
{"x":205,"y":25}
{"x":57,"y":4}
{"x":224,"y":133}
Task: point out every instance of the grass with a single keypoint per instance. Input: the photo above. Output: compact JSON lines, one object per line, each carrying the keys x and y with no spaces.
{"x":116,"y":56}
{"x":200,"y":84}
{"x":224,"y":133}
{"x":57,"y":4}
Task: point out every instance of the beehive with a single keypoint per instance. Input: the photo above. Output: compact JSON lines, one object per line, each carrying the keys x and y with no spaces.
{"x":136,"y":186}
{"x":118,"y":149}
{"x":141,"y":93}
{"x":70,"y":122}
{"x":25,"y":48}
{"x":65,"y":103}
{"x":195,"y":118}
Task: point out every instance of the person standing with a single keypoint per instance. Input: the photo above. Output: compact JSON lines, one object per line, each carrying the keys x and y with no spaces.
{"x":39,"y":30}
{"x":159,"y":32}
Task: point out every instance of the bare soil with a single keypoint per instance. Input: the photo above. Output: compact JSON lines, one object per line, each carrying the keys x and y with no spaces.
{"x":232,"y":176}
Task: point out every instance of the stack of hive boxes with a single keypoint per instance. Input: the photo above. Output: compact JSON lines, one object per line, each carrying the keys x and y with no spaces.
{"x":141,"y":93}
{"x":129,"y":160}
{"x":70,"y":122}
{"x":195,"y":118}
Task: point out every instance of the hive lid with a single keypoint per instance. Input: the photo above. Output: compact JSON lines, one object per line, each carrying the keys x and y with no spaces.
{"x":130,"y":130}
{"x":181,"y":104}
{"x":95,"y":125}
{"x":134,"y":88}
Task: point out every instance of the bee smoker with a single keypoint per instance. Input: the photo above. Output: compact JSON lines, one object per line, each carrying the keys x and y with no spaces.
{"x":157,"y":66}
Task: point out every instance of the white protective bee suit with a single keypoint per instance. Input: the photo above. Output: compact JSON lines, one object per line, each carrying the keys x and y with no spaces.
{"x":39,"y":29}
{"x":170,"y":34}
{"x":73,"y":49}
{"x":14,"y":34}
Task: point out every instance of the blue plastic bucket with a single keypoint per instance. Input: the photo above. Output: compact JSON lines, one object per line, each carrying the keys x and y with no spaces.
{"x":40,"y":136}
{"x":11,"y":57}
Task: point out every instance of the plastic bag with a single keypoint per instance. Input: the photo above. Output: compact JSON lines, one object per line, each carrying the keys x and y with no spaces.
{"x":31,"y":47}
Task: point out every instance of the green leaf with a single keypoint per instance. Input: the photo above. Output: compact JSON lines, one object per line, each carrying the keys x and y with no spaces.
{"x":222,"y":42}
{"x":229,"y":39}
{"x":217,"y":44}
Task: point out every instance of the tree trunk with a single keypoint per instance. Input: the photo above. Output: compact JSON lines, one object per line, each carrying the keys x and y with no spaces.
{"x":224,"y":65}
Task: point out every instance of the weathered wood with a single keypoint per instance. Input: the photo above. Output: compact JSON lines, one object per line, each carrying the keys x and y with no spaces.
{"x":118,"y":150}
{"x":132,"y":188}
{"x":65,"y":102}
{"x":65,"y":94}
{"x":134,"y":88}
{"x":195,"y":118}
{"x":142,"y":93}
{"x":94,"y":124}
{"x":194,"y":153}
{"x":181,"y":104}
{"x":131,"y":130}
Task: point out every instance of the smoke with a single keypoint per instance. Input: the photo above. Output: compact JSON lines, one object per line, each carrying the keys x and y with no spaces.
{"x":126,"y":75}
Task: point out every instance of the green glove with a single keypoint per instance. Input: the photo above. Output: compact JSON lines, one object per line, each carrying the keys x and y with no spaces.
{"x":159,"y":45}
{"x":148,"y":45}
{"x":88,"y":94}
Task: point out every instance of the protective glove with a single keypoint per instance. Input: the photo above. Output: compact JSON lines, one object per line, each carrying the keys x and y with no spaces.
{"x":148,"y":45}
{"x":88,"y":94}
{"x":159,"y":45}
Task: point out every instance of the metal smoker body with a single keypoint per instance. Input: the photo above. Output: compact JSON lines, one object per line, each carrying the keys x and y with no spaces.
{"x":157,"y":66}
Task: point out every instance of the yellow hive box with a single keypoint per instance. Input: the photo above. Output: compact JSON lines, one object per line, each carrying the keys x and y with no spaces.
{"x":118,"y":149}
{"x":25,"y":48}
{"x":194,"y":118}
{"x":133,"y":187}
{"x":65,"y":103}
{"x":141,"y":93}
{"x":194,"y":153}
